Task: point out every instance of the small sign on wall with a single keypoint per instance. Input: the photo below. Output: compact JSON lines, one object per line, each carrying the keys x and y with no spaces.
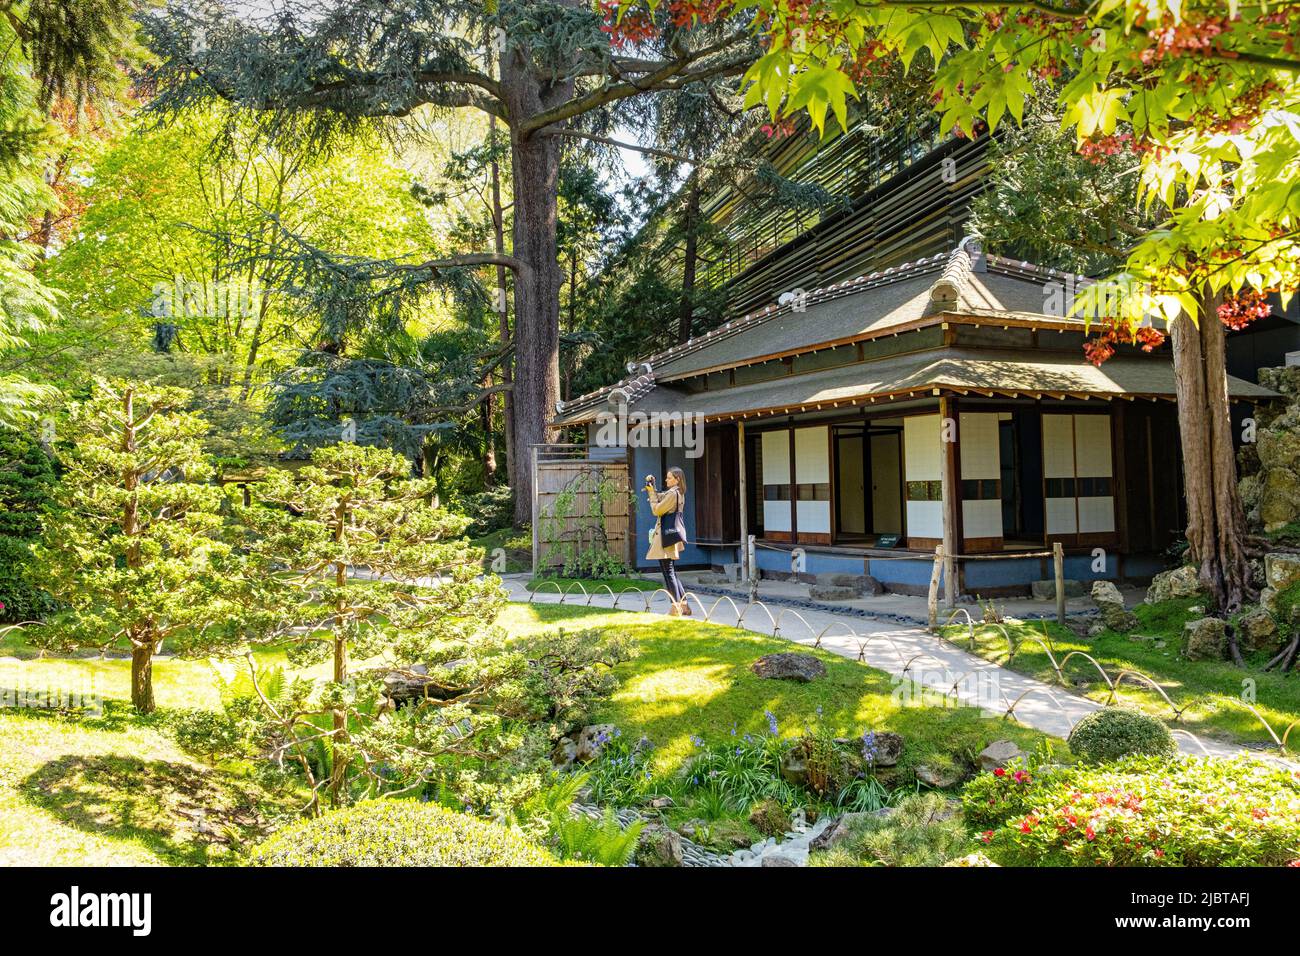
{"x":888,"y":541}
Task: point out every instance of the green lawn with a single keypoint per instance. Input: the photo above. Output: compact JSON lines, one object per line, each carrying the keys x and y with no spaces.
{"x":1211,"y":692}
{"x":694,"y":678}
{"x":115,"y":789}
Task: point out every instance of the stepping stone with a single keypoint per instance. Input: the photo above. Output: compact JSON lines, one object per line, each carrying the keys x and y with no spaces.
{"x":788,"y":665}
{"x":831,"y":592}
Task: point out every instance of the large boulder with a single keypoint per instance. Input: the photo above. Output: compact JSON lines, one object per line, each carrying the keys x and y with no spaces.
{"x":1175,"y":583}
{"x":939,"y":777}
{"x":1110,"y":603}
{"x":1205,"y":640}
{"x":998,"y":754}
{"x":794,"y":769}
{"x":769,"y":818}
{"x":1278,"y":446}
{"x":659,"y":846}
{"x":592,"y":739}
{"x":1256,"y":630}
{"x":789,"y":665}
{"x":1279,"y":501}
{"x":880,"y":748}
{"x":1281,"y":570}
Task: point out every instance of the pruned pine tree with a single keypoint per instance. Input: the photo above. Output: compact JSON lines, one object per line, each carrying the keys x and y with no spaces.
{"x":359,"y":567}
{"x":317,"y":71}
{"x":133,"y":548}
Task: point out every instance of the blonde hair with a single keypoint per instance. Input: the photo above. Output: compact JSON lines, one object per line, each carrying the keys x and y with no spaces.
{"x":680,"y":476}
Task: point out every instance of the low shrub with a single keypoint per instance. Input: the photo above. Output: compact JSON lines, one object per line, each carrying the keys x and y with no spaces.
{"x":398,"y":833}
{"x":923,"y":830}
{"x":1142,"y":810}
{"x":488,"y":511}
{"x":1115,"y":732}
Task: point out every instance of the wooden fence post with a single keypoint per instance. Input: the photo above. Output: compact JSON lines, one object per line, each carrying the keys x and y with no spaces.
{"x":1058,"y":567}
{"x":752,"y":564}
{"x":933,"y":600}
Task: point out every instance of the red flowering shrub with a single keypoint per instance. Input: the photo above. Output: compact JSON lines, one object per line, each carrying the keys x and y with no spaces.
{"x":1139,"y":811}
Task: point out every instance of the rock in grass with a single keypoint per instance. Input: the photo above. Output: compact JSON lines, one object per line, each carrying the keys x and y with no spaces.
{"x":941,"y":778}
{"x":769,"y":818}
{"x":998,"y":753}
{"x":1256,"y":630}
{"x":1176,"y":583}
{"x":1205,"y":640}
{"x":659,"y":847}
{"x":592,"y":739}
{"x":1110,"y":603}
{"x":879,"y":748}
{"x":1281,"y":570}
{"x":565,"y":753}
{"x":789,"y":665}
{"x":971,"y":859}
{"x":830,"y":592}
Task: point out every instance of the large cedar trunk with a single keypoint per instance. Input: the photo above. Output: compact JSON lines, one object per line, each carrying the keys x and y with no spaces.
{"x":536,"y":170}
{"x":142,"y":678}
{"x":1216,"y":523}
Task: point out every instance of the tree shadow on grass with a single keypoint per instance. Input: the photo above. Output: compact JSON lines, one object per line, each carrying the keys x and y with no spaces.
{"x":185,"y":814}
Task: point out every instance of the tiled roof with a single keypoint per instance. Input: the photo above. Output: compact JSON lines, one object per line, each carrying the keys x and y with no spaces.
{"x":988,"y":372}
{"x":963,"y":282}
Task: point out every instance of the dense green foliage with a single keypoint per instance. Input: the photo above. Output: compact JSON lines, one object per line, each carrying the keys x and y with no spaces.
{"x":1209,"y":96}
{"x":1139,"y":811}
{"x":1114,"y":732}
{"x":26,"y":480}
{"x":398,"y":833}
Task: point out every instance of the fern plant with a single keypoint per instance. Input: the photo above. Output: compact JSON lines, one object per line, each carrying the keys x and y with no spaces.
{"x":603,"y":841}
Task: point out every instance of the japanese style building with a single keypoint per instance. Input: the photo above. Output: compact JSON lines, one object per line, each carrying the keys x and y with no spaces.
{"x":942,"y":400}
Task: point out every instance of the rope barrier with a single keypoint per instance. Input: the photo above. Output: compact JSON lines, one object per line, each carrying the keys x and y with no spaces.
{"x":910,"y":556}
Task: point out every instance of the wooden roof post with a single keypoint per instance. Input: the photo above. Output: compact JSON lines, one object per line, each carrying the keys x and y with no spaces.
{"x":744,"y":501}
{"x":948,"y":475}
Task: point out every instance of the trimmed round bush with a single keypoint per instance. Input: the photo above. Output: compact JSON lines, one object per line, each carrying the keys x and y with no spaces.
{"x":398,"y":833}
{"x":1115,"y":732}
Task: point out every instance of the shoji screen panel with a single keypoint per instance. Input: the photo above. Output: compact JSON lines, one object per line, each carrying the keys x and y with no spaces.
{"x":1078,"y":470}
{"x":1058,"y":472}
{"x":812,"y":476}
{"x":776,"y":482}
{"x":1094,"y":471}
{"x":981,"y":473}
{"x":923,"y":479}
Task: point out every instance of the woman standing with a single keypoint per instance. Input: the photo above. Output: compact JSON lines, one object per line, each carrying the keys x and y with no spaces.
{"x":669,"y":534}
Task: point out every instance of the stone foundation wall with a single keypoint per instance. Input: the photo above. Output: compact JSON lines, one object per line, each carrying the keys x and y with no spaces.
{"x":1270,"y":467}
